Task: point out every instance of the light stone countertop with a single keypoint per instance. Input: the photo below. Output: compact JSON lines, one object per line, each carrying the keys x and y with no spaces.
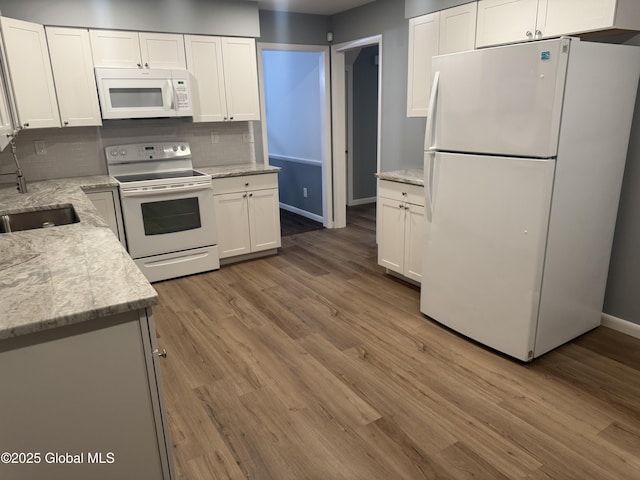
{"x":67,"y":274}
{"x":414,"y":176}
{"x":223,"y":171}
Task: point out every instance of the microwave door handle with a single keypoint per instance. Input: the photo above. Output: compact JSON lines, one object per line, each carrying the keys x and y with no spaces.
{"x":170,"y":95}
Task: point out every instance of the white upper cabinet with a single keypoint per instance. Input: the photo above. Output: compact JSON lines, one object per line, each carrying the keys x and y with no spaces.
{"x":448,"y":31}
{"x":70,"y":51}
{"x":424,"y":38}
{"x":119,"y":49}
{"x":7,"y":106}
{"x":224,"y":78}
{"x":162,"y":50}
{"x":506,"y":21}
{"x":457,"y":29}
{"x":30,"y":72}
{"x":241,"y":78}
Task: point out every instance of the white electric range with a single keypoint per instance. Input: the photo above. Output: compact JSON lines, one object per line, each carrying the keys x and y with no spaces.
{"x":167,"y":208}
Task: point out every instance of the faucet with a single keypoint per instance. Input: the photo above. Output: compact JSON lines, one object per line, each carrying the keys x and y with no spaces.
{"x":21,"y":182}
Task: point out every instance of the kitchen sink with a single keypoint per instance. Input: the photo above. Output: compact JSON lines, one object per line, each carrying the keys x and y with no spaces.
{"x":44,"y":218}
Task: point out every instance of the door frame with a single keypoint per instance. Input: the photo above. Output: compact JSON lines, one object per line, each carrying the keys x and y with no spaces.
{"x":326,"y":167}
{"x":338,"y":104}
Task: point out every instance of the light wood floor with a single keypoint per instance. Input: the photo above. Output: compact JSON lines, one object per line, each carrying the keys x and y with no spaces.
{"x":314,"y":364}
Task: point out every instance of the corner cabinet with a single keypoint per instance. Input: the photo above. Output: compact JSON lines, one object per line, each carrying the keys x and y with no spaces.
{"x":247,"y":211}
{"x":401,"y":226}
{"x":224,"y":78}
{"x":72,"y":64}
{"x":448,"y":31}
{"x":91,"y":389}
{"x":121,"y":49}
{"x":31,"y":75}
{"x":507,"y":21}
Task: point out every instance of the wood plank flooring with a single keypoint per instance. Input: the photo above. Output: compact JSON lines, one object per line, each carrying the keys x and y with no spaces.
{"x":292,"y":223}
{"x":314,"y":364}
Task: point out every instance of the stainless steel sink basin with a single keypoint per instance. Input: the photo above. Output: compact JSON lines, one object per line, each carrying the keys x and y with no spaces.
{"x":45,"y":218}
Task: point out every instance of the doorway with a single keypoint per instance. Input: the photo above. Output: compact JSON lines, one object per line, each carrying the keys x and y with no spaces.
{"x":346,"y":171}
{"x":296,"y":126}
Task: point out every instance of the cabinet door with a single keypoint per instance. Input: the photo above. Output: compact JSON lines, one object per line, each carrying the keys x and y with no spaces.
{"x":424,"y":37}
{"x":390,"y":224}
{"x":241,"y":78}
{"x":505,"y":21}
{"x":116,"y":49}
{"x":414,"y":243}
{"x":264,"y":219}
{"x":70,"y":51}
{"x":31,"y":75}
{"x":162,"y":50}
{"x":458,"y":28}
{"x":105,"y":204}
{"x":7,"y":106}
{"x":562,"y":17}
{"x":88,"y":391}
{"x":204,"y":62}
{"x":232,"y":223}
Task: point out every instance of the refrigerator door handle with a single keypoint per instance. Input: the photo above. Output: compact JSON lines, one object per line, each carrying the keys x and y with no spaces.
{"x":429,"y":164}
{"x":429,"y":134}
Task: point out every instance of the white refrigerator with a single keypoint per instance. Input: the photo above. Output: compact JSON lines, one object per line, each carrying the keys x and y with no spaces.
{"x":525,"y":150}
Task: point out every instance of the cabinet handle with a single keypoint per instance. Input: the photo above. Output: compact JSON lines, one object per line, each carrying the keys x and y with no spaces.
{"x":401,"y":206}
{"x":529,"y":34}
{"x":230,"y":118}
{"x":246,"y":184}
{"x":244,"y":196}
{"x":25,"y":125}
{"x":139,"y":65}
{"x":406,"y":208}
{"x":146,"y":65}
{"x":162,"y":353}
{"x":538,"y":33}
{"x":225,"y":119}
{"x":66,"y":123}
{"x":251,"y":194}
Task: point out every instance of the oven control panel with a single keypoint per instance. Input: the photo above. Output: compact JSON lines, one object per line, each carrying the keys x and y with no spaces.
{"x":143,"y":152}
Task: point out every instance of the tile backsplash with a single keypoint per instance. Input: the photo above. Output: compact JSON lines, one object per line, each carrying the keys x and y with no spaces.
{"x":79,"y":151}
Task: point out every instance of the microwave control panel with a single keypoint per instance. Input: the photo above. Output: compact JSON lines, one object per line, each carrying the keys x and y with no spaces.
{"x":181,"y":88}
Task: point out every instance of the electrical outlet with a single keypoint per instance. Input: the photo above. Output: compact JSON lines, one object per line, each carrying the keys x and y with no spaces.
{"x":40,"y":147}
{"x":215,"y":138}
{"x":304,"y":192}
{"x":247,"y":137}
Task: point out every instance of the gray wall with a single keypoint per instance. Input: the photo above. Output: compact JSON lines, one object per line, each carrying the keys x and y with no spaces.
{"x":401,"y":139}
{"x":296,"y":28}
{"x":414,"y":8}
{"x":302,"y":176}
{"x":622,"y":296}
{"x":365,"y":125}
{"x":219,"y":17}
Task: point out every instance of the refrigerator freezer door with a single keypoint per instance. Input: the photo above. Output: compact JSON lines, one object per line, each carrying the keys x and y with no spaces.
{"x":483,"y":261}
{"x":501,"y":101}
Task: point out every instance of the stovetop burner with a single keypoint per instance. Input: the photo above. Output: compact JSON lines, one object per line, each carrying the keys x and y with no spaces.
{"x":140,"y":177}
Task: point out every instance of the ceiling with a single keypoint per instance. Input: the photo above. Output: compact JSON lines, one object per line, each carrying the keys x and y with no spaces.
{"x":316,"y":7}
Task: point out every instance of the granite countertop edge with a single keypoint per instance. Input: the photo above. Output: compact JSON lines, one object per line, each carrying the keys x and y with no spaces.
{"x":413,"y":176}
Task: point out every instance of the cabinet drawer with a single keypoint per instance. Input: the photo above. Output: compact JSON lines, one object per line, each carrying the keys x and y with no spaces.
{"x":244,"y":183}
{"x":401,"y":191}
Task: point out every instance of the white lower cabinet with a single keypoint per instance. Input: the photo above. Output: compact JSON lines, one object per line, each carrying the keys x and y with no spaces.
{"x":247,"y":211}
{"x":107,"y":202}
{"x":87,"y":399}
{"x":401,"y":227}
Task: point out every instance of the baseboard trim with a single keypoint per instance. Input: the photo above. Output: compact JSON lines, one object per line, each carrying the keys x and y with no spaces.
{"x":302,"y":213}
{"x":361,"y":201}
{"x":620,"y":325}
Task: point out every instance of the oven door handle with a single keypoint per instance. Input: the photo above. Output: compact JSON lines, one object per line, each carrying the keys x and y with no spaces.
{"x":164,"y":191}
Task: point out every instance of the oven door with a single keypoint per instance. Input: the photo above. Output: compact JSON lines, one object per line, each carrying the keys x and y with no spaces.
{"x":168,"y":220}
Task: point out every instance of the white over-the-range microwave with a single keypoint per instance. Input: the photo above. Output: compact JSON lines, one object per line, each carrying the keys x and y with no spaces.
{"x":143,"y":93}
